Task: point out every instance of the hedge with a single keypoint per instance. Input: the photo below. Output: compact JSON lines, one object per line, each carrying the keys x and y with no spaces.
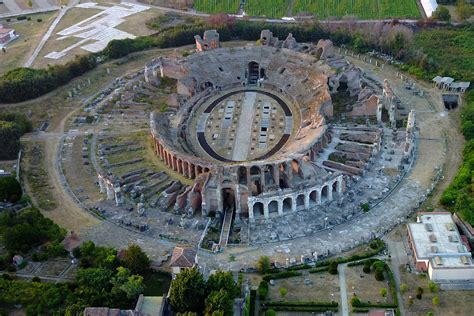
{"x":303,"y":308}
{"x":281,"y":275}
{"x":301,"y":303}
{"x":320,"y":269}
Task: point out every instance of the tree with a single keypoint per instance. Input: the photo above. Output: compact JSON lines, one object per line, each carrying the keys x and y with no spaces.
{"x":283,"y":291}
{"x":442,"y":14}
{"x":419,"y":292}
{"x":95,"y":278}
{"x":383,"y":292}
{"x":433,"y":287}
{"x":379,"y":276}
{"x":133,"y":286}
{"x":220,"y":302}
{"x":355,"y":301}
{"x":333,"y":267}
{"x":10,"y":189}
{"x":136,"y":260}
{"x":435,"y":300}
{"x":403,"y":288}
{"x":263,"y":265}
{"x":188,"y":291}
{"x":223,"y":280}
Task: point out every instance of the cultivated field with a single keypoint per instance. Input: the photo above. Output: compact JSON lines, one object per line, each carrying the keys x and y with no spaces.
{"x":363,"y":9}
{"x":216,"y":6}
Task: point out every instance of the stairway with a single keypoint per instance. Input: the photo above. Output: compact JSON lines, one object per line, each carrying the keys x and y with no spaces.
{"x":225,"y":232}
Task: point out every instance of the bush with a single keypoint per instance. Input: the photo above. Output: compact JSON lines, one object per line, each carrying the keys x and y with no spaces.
{"x":39,"y":256}
{"x":442,"y":14}
{"x":365,"y":207}
{"x":263,"y":289}
{"x":283,"y":291}
{"x":36,"y":279}
{"x":263,"y":264}
{"x":10,"y":189}
{"x":366,"y":269}
{"x":333,"y":267}
{"x":21,"y":17}
{"x":379,"y":274}
{"x":270,"y":312}
{"x":39,"y":20}
{"x":281,"y":275}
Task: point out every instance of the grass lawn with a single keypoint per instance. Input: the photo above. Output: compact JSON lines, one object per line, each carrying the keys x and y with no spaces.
{"x":30,"y":32}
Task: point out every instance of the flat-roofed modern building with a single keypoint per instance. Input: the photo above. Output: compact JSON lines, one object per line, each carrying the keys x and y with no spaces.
{"x":439,"y":249}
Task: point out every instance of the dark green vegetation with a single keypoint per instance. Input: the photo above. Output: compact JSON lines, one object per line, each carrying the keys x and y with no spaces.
{"x":190,"y":293}
{"x":459,"y":195}
{"x":301,"y":306}
{"x":20,"y":232}
{"x":27,"y":83}
{"x":12,"y":127}
{"x":102,"y":280}
{"x":10,"y":189}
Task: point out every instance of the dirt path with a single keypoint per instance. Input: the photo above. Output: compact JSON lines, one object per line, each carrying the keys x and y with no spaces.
{"x":67,"y":214}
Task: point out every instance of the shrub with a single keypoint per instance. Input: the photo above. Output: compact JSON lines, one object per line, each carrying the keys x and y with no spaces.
{"x":263,"y":289}
{"x":6,"y":276}
{"x":433,"y":287}
{"x":366,"y":268}
{"x":263,"y":264}
{"x":355,"y":301}
{"x":379,"y":274}
{"x":333,"y":267}
{"x":36,"y":279}
{"x":21,"y":17}
{"x":270,"y":312}
{"x":442,"y":14}
{"x":39,"y":20}
{"x":283,"y":291}
{"x":281,"y":275}
{"x":419,"y":293}
{"x":383,"y":292}
{"x":10,"y":189}
{"x":365,"y":207}
{"x":11,"y":268}
{"x":403,"y":288}
{"x":435,"y":300}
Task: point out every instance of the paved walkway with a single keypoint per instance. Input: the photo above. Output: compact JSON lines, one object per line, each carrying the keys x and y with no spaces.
{"x":48,"y":33}
{"x":396,"y":255}
{"x":342,"y":285}
{"x":244,"y":128}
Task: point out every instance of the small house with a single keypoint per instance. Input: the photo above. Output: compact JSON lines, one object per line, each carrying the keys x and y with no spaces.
{"x":6,"y":35}
{"x":183,"y":258}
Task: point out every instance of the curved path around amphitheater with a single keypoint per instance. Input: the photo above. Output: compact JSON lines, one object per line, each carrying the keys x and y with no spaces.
{"x":438,"y":142}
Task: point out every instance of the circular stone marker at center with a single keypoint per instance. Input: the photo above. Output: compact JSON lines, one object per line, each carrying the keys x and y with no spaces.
{"x":244,"y":125}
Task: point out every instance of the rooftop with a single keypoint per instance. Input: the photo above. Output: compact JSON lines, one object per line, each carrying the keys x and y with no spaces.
{"x":435,"y":236}
{"x":183,"y":257}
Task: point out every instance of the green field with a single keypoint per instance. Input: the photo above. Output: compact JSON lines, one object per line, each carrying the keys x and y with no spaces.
{"x":362,"y":9}
{"x":217,"y":6}
{"x":267,"y":8}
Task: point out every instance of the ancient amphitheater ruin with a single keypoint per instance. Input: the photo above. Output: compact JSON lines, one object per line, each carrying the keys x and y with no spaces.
{"x":278,"y":137}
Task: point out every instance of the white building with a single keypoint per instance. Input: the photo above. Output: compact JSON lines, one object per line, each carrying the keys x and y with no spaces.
{"x":439,"y":249}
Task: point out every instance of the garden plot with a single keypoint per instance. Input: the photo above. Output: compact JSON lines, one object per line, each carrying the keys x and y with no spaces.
{"x":365,"y":286}
{"x":95,"y":32}
{"x":318,"y":287}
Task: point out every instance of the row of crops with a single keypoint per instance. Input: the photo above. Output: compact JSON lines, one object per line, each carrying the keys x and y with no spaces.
{"x":217,"y":6}
{"x":362,"y":9}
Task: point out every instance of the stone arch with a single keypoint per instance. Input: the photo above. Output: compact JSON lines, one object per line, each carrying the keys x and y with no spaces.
{"x":287,"y":205}
{"x":273,"y":207}
{"x":334,"y":186}
{"x":258,"y":208}
{"x":269,"y":174}
{"x":284,"y":182}
{"x":253,"y":72}
{"x":242,"y":175}
{"x":325,"y":192}
{"x":295,"y":167}
{"x":185,"y":167}
{"x":228,"y":199}
{"x":206,"y":170}
{"x":313,"y":196}
{"x":199,"y":170}
{"x":255,"y":170}
{"x":300,"y":202}
{"x":179,"y":166}
{"x":192,"y":171}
